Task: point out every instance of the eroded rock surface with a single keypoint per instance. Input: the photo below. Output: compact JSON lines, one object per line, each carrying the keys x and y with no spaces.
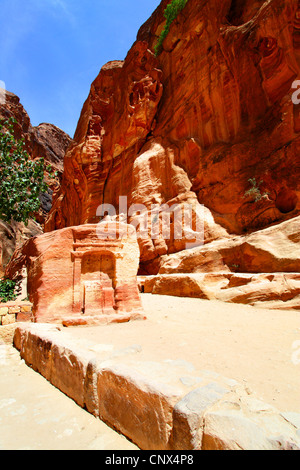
{"x":210,"y":122}
{"x":44,"y":141}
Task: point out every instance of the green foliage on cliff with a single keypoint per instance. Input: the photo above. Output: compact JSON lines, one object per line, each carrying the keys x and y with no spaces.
{"x":170,"y":13}
{"x":254,"y":192}
{"x":21,"y":179}
{"x":7,"y":290}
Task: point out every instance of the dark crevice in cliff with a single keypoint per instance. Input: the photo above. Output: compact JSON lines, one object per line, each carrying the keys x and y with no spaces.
{"x":235,"y":14}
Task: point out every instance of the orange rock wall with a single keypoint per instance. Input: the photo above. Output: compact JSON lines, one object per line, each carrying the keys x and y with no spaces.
{"x":213,"y":111}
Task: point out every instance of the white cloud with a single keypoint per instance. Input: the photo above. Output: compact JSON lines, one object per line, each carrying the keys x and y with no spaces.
{"x":56,"y":7}
{"x":13,"y":30}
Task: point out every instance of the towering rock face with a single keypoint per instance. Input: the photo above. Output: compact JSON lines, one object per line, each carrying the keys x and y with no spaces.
{"x":114,"y":125}
{"x":44,"y":141}
{"x":210,"y":121}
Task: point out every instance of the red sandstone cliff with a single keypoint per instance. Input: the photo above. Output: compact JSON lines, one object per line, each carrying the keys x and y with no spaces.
{"x":44,"y":141}
{"x":195,"y":124}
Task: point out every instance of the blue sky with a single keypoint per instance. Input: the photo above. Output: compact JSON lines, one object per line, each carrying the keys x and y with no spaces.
{"x":52,"y":50}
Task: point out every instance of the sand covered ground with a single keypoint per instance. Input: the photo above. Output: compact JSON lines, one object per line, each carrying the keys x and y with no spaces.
{"x":258,"y":348}
{"x":34,"y":415}
{"x":254,"y":346}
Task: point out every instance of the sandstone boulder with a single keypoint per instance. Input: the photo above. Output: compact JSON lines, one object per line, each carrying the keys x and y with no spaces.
{"x":150,"y":403}
{"x":275,"y":249}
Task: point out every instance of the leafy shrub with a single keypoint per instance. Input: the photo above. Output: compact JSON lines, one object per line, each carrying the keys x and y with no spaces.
{"x":22,"y":179}
{"x":255,"y":192}
{"x":170,"y":13}
{"x":7,"y":290}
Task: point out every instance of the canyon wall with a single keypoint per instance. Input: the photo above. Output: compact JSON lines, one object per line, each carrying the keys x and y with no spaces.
{"x":44,"y":141}
{"x":210,"y":121}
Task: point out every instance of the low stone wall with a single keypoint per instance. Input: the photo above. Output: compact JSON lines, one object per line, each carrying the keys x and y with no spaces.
{"x":15,"y":312}
{"x":154,"y":404}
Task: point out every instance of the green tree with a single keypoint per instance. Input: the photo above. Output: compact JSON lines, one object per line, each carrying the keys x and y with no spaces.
{"x":21,"y":179}
{"x":7,"y":290}
{"x":171,"y":12}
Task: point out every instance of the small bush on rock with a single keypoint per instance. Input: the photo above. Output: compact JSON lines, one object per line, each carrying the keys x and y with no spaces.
{"x":170,"y":13}
{"x":254,"y":192}
{"x":7,"y":290}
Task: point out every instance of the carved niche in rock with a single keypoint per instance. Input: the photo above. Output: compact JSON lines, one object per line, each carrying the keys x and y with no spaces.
{"x":81,"y":275}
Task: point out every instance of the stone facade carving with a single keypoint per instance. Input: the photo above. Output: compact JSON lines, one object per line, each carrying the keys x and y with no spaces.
{"x":82,"y":275}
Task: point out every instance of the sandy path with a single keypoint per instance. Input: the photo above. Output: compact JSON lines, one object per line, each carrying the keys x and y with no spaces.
{"x":250,"y":345}
{"x":34,"y":415}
